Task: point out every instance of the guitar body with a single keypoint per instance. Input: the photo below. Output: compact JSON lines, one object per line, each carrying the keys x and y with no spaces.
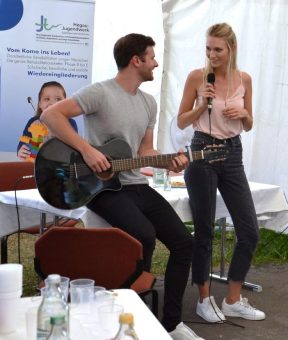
{"x":65,"y":181}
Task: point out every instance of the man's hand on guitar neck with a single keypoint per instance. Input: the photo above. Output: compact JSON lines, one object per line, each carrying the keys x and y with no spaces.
{"x":179,"y":163}
{"x":95,"y":159}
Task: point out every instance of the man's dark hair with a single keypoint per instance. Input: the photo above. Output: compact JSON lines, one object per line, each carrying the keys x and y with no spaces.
{"x":128,"y":46}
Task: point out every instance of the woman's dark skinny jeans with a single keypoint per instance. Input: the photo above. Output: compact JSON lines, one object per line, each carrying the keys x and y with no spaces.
{"x":202,"y":180}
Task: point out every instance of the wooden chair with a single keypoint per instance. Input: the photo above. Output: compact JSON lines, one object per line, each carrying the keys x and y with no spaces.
{"x":12,"y":177}
{"x":110,"y":256}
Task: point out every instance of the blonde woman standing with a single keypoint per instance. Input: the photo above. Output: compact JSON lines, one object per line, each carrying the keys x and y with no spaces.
{"x":219,"y":106}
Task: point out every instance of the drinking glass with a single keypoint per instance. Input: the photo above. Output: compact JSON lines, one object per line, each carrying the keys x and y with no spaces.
{"x":158,"y":177}
{"x":31,"y":322}
{"x":82,"y":294}
{"x":109,"y":319}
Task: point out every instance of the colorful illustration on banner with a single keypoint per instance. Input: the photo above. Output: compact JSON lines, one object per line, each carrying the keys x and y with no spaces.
{"x":39,"y":134}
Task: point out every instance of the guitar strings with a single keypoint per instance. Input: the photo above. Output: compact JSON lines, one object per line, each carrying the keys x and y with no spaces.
{"x":159,"y":160}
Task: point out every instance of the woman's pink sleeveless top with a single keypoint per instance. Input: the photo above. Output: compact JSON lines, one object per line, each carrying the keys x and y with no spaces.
{"x":221,"y":127}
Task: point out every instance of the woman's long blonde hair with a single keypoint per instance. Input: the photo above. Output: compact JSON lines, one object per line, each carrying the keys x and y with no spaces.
{"x":225,"y":32}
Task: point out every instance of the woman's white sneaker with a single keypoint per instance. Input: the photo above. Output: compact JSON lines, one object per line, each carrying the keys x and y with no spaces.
{"x":209,"y":311}
{"x":183,"y":332}
{"x":242,"y":309}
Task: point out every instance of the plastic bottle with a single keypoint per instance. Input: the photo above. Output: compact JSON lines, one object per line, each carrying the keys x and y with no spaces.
{"x":167,"y":181}
{"x":58,"y":331}
{"x":53,"y":305}
{"x":126,"y":329}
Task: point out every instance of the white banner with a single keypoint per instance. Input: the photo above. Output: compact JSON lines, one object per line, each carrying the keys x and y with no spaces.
{"x":41,"y":40}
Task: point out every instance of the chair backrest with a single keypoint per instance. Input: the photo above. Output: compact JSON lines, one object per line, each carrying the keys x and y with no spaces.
{"x":11,"y":176}
{"x":110,"y":256}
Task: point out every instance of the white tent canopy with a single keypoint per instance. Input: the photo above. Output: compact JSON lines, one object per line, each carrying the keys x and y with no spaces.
{"x":178,"y":27}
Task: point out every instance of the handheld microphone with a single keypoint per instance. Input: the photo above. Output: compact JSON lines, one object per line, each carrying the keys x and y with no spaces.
{"x":30,"y":101}
{"x":210,"y":80}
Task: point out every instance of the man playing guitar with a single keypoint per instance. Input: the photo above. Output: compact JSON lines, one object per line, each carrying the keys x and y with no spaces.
{"x":117,"y":108}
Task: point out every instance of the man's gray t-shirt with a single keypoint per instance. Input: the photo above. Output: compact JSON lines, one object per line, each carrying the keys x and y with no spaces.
{"x":111,"y":112}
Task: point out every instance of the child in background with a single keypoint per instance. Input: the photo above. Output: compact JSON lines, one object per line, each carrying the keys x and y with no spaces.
{"x":36,"y":132}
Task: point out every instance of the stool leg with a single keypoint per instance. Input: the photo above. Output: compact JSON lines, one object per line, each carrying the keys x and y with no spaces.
{"x":42,"y":222}
{"x":4,"y":249}
{"x":222,"y":222}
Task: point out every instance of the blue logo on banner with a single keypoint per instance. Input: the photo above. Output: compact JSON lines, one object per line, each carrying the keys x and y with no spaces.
{"x":11,"y":12}
{"x":44,"y":25}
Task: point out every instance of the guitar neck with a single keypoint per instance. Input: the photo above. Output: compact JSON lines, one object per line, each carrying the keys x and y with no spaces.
{"x":156,"y":161}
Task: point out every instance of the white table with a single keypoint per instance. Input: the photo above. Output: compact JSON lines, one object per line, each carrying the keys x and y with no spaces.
{"x":146,"y":324}
{"x":270,"y":203}
{"x":31,"y":205}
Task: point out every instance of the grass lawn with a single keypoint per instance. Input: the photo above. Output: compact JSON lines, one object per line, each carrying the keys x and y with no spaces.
{"x":272,"y":248}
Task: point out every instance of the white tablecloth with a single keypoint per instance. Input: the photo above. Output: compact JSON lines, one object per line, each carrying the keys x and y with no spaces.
{"x":270,"y":203}
{"x":30,"y":205}
{"x":146,"y":324}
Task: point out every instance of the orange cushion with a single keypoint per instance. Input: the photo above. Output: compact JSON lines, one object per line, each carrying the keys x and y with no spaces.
{"x":144,"y":282}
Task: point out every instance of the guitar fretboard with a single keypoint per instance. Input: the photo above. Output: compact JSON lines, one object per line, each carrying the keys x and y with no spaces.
{"x":154,"y":161}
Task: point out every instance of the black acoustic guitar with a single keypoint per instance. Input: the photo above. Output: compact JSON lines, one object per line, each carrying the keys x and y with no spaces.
{"x":65,"y":181}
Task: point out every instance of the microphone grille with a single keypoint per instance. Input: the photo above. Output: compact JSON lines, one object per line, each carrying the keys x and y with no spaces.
{"x":211,"y":78}
{"x":29,"y":99}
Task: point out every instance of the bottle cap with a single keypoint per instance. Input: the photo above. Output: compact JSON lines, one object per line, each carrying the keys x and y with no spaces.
{"x":126,"y":318}
{"x":54,"y":278}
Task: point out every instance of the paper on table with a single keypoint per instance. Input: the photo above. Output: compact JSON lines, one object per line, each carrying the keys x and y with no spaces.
{"x":178,"y":182}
